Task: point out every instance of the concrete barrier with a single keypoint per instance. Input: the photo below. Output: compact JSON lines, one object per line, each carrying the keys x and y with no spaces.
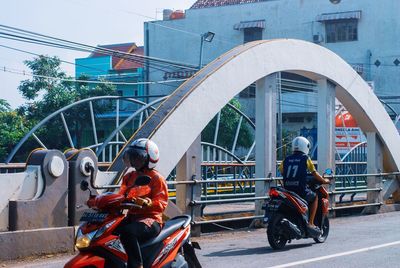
{"x":20,"y":244}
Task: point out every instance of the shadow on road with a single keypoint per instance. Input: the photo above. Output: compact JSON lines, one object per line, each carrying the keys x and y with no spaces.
{"x":254,"y":251}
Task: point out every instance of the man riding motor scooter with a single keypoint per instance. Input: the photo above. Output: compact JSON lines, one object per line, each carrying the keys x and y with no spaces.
{"x":123,"y":229}
{"x":142,"y":223}
{"x":294,"y":171}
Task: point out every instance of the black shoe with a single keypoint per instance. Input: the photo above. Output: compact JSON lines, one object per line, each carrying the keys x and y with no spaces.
{"x":313,"y":231}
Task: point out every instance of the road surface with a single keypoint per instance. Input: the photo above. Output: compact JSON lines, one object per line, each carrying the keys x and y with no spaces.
{"x":361,"y":241}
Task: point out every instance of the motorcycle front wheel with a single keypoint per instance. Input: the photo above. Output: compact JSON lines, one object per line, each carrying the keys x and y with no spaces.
{"x":324,"y":231}
{"x":276,"y":237}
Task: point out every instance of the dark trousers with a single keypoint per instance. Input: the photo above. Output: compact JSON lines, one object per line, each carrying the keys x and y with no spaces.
{"x":133,"y":233}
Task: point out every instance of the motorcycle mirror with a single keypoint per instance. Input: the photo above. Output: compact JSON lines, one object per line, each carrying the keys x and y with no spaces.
{"x":142,"y":180}
{"x":84,"y":185}
{"x":328,"y":171}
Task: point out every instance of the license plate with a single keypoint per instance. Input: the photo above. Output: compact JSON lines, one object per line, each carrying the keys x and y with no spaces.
{"x":93,"y":217}
{"x":274,"y":205}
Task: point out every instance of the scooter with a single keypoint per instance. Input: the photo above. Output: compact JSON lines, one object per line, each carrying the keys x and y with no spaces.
{"x":99,"y":245}
{"x":286,"y":215}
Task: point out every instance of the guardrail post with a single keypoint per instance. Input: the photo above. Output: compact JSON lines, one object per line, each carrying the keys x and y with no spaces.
{"x":266,"y":92}
{"x":374,"y":165}
{"x":326,"y":130}
{"x":189,"y":168}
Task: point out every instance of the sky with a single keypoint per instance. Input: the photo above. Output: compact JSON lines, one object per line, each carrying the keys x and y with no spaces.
{"x":91,"y":22}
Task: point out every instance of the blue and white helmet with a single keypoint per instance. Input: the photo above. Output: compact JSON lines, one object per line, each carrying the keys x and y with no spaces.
{"x":143,"y":153}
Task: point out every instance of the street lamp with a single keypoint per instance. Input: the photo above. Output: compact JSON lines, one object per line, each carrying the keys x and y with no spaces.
{"x":208,"y":37}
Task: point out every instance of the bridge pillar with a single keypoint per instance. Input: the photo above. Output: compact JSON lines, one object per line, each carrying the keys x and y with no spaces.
{"x":189,"y":168}
{"x":326,"y":125}
{"x":326,"y":130}
{"x":76,"y":197}
{"x":374,"y":165}
{"x":266,"y":93}
{"x":50,"y":208}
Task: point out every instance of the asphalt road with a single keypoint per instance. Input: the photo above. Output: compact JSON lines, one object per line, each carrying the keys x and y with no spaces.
{"x":362,"y":241}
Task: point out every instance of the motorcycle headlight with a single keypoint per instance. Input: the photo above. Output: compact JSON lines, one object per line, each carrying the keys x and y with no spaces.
{"x":83,"y":240}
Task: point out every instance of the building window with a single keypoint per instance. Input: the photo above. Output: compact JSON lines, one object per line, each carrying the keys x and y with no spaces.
{"x":252,"y":34}
{"x":341,"y":30}
{"x":248,"y":92}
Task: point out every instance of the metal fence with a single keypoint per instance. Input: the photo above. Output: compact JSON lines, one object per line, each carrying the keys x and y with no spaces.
{"x":224,"y":191}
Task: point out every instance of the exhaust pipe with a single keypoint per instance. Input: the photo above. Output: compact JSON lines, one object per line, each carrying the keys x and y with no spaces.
{"x":293,"y":230}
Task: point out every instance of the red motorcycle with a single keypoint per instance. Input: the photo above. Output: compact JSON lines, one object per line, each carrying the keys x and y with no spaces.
{"x":100,"y":246}
{"x":286,"y":214}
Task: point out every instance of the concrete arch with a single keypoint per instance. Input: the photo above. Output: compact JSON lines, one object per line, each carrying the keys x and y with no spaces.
{"x":180,"y":119}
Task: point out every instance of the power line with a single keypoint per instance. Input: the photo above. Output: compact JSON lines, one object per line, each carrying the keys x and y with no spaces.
{"x":16,"y":34}
{"x":39,"y":42}
{"x":47,"y":57}
{"x":373,"y":64}
{"x":92,"y":48}
{"x":21,"y":72}
{"x":156,"y":23}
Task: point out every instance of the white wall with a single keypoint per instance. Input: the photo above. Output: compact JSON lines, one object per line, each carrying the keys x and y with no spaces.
{"x":378,"y":32}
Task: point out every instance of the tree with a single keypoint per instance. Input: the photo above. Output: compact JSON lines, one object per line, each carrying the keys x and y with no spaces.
{"x":226,"y":133}
{"x":49,"y":90}
{"x":12,"y":128}
{"x":4,"y":106}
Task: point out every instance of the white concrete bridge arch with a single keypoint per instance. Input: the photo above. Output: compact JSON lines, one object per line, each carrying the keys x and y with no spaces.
{"x":182,"y":117}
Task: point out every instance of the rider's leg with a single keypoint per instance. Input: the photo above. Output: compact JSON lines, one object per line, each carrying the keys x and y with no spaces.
{"x":313,"y":211}
{"x":312,"y":201}
{"x":129,"y":238}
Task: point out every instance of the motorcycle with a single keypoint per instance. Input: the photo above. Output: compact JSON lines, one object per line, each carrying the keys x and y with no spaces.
{"x":99,"y":245}
{"x":286,"y":215}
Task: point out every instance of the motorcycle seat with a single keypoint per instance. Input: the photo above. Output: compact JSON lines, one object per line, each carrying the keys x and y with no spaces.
{"x":293,"y":194}
{"x":169,"y":228}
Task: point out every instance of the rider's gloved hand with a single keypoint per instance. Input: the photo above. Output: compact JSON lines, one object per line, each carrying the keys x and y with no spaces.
{"x":144,"y":202}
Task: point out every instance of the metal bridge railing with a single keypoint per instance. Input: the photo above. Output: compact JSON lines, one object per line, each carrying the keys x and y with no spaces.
{"x":235,"y":183}
{"x":224,"y":198}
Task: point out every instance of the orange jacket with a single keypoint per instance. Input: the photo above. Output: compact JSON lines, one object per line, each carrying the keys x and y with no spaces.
{"x":158,"y":195}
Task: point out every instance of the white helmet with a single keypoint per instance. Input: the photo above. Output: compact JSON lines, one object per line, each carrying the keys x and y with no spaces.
{"x":300,"y":144}
{"x":143,"y":153}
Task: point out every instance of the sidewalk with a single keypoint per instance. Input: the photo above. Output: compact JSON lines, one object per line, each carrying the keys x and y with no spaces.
{"x":46,"y":261}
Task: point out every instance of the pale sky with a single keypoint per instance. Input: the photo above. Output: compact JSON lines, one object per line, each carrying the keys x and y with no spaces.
{"x":92,"y":22}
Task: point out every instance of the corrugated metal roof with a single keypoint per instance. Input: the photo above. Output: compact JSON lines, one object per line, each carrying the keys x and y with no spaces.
{"x":126,"y":64}
{"x":340,"y":16}
{"x":118,"y":47}
{"x":249,"y":24}
{"x":219,"y":3}
{"x":119,"y":63}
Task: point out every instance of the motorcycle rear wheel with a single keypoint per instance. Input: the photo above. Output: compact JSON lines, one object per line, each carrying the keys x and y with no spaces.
{"x":190,"y":256}
{"x":276,"y":238}
{"x":324,"y":231}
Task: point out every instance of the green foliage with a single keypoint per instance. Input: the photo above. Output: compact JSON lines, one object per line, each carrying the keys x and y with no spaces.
{"x":228,"y":124}
{"x":48,"y":91}
{"x":4,"y":106}
{"x":12,"y":128}
{"x":48,"y":95}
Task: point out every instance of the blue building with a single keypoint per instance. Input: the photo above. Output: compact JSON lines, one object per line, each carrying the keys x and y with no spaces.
{"x":113,"y":64}
{"x":364,"y":33}
{"x":102,"y":66}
